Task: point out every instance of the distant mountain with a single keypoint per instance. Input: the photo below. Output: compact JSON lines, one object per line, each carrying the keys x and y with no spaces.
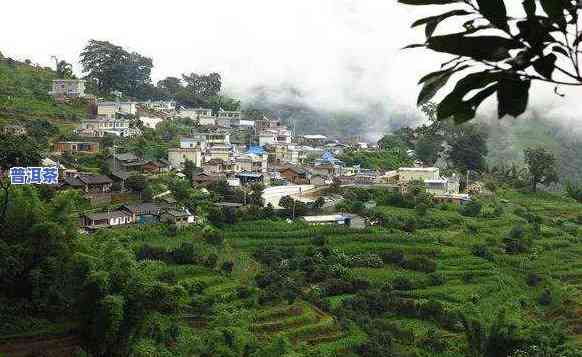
{"x":370,"y":121}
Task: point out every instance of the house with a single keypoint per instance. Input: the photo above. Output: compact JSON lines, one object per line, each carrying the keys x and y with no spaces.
{"x":76,"y":146}
{"x":89,"y":183}
{"x":312,"y":140}
{"x":295,"y":174}
{"x":178,"y":156}
{"x":179,"y":217}
{"x":156,"y":166}
{"x":267,"y":123}
{"x":220,"y":152}
{"x":252,"y":162}
{"x":326,"y":169}
{"x":15,"y":130}
{"x":407,"y":174}
{"x":105,"y":123}
{"x":111,"y":109}
{"x":318,"y":180}
{"x":106,"y":219}
{"x":195,"y":113}
{"x":143,"y":213}
{"x":150,"y":122}
{"x":204,"y":179}
{"x":214,"y":166}
{"x":434,"y":183}
{"x":218,"y":138}
{"x":161,"y":105}
{"x":336,"y":219}
{"x":230,"y":114}
{"x":89,"y":133}
{"x":127,"y":162}
{"x":247,"y":177}
{"x":196,"y":140}
{"x":68,"y":88}
{"x":207,"y":121}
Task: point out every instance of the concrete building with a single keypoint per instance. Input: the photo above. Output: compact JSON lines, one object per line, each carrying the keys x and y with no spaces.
{"x":196,"y":140}
{"x":407,"y":174}
{"x":221,"y":152}
{"x":337,"y":219}
{"x":106,"y":219}
{"x":178,"y":156}
{"x":111,"y":109}
{"x":15,"y":130}
{"x":195,"y":113}
{"x":164,"y":105}
{"x":76,"y":146}
{"x":68,"y":88}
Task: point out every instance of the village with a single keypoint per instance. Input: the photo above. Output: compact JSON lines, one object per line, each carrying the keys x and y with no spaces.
{"x":221,"y":147}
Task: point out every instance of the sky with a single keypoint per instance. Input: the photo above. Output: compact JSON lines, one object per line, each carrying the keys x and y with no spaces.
{"x":342,"y":54}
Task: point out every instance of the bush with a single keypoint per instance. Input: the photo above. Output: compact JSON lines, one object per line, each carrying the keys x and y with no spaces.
{"x":368,"y":260}
{"x":437,"y":279}
{"x":185,"y":254}
{"x":533,"y":279}
{"x":421,"y":209}
{"x":319,"y":240}
{"x":422,"y":264}
{"x":147,"y":251}
{"x":227,"y":267}
{"x":393,"y":256}
{"x":470,"y":209}
{"x":172,"y":230}
{"x":402,"y":283}
{"x":482,"y":251}
{"x":516,"y":242}
{"x":213,"y":236}
{"x":169,"y":277}
{"x":211,"y":260}
{"x":546,"y":297}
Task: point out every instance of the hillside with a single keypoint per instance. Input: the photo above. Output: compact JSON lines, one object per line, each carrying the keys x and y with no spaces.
{"x":24,"y":94}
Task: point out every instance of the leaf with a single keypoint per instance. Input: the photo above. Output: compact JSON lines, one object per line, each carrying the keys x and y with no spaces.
{"x":555,"y":10}
{"x":490,"y":48}
{"x":434,"y":83}
{"x":530,"y":7}
{"x":433,"y":21}
{"x":512,"y":96}
{"x":414,"y":45}
{"x":522,"y":60}
{"x":428,"y":2}
{"x":578,"y":39}
{"x":495,"y":12}
{"x":454,"y":104}
{"x":546,"y":65}
{"x":535,"y":32}
{"x":561,"y":50}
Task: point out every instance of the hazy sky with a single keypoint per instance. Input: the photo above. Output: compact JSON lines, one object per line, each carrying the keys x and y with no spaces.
{"x":340,"y":53}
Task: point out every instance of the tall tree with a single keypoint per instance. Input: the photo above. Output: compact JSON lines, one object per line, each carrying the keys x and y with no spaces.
{"x":499,"y":52}
{"x":111,"y":68}
{"x":468,"y":147}
{"x":202,"y":86}
{"x":542,"y":166}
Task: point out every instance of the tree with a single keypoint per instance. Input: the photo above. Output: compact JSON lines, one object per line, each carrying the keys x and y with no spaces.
{"x":544,"y":45}
{"x":111,"y":68}
{"x":427,"y":148}
{"x":65,"y":70}
{"x":202,"y":87}
{"x":542,"y":166}
{"x":136,"y":183}
{"x":19,"y":151}
{"x":169,"y":87}
{"x":468,"y":147}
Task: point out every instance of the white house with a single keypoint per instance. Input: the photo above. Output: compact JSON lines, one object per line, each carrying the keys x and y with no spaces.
{"x":195,"y":113}
{"x":150,"y":122}
{"x":178,"y":156}
{"x":68,"y":88}
{"x":110,"y":109}
{"x":196,"y":140}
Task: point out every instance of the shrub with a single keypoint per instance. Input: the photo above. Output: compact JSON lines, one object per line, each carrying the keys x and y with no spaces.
{"x":468,"y":277}
{"x":227,"y":267}
{"x":393,"y":256}
{"x":472,"y":229}
{"x":422,"y":264}
{"x":211,"y":260}
{"x":147,"y":251}
{"x":421,"y":209}
{"x":533,"y":279}
{"x":437,"y":279}
{"x":168,"y":277}
{"x":172,"y":230}
{"x":516,"y":242}
{"x":546,"y":297}
{"x":367,"y":260}
{"x":482,"y":251}
{"x":213,"y":236}
{"x":409,"y":225}
{"x":185,"y":254}
{"x":402,"y":283}
{"x":319,"y":240}
{"x":470,"y":209}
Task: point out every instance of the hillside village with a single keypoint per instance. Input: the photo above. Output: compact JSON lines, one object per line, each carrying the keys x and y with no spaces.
{"x":221,"y":146}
